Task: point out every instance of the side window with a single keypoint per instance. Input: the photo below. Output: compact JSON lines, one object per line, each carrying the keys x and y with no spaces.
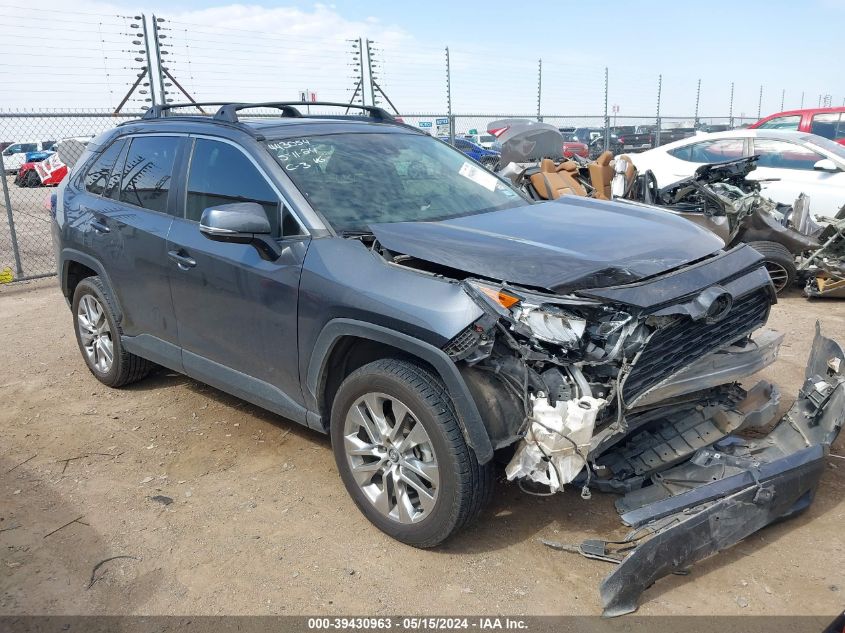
{"x":148,"y":171}
{"x":222,"y":174}
{"x":825,"y":125}
{"x":784,"y":155}
{"x":714,"y":151}
{"x":98,"y":174}
{"x":790,"y":122}
{"x":113,"y":187}
{"x":12,"y":149}
{"x":29,"y":147}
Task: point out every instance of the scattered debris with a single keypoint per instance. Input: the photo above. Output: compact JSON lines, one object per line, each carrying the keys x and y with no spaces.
{"x":76,"y":520}
{"x":100,"y":564}
{"x":162,"y":499}
{"x":742,"y":602}
{"x":21,"y":463}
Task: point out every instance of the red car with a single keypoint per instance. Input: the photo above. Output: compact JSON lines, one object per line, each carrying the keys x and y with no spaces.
{"x":573,"y":148}
{"x":826,"y":122}
{"x":43,"y":173}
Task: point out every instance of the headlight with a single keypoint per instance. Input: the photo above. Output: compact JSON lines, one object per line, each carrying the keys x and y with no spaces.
{"x":547,"y":321}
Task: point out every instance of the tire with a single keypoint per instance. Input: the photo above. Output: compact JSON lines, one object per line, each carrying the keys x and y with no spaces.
{"x":779,"y":262}
{"x":460,"y":488}
{"x":103,"y":330}
{"x":32,"y":179}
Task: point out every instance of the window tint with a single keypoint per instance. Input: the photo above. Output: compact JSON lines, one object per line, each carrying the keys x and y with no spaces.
{"x":713,"y":151}
{"x":98,"y":173}
{"x":222,"y":174}
{"x":784,"y":155}
{"x":148,"y":171}
{"x":113,"y":186}
{"x":828,"y":125}
{"x":782,"y":123}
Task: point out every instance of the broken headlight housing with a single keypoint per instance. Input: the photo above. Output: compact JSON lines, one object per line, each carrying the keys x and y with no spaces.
{"x":594,"y":329}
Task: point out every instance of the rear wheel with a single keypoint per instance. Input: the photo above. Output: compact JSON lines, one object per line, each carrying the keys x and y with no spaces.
{"x":98,"y":336}
{"x":779,"y":262}
{"x":32,"y":179}
{"x":402,"y":456}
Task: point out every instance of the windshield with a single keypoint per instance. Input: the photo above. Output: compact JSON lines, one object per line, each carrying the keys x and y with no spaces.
{"x":488,"y":138}
{"x":826,"y":144}
{"x":355,"y":180}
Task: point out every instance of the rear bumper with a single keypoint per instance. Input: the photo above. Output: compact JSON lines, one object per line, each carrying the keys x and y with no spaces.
{"x":731,"y":489}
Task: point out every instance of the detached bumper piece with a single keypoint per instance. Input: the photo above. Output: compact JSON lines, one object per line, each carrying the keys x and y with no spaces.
{"x":728,"y":490}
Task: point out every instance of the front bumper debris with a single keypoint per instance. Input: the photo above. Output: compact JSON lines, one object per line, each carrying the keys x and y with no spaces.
{"x":728,"y":490}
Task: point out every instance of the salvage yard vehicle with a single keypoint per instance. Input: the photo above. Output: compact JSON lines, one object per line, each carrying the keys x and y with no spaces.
{"x":826,"y":122}
{"x":722,"y":198}
{"x":791,"y":163}
{"x":14,"y":155}
{"x":44,"y":169}
{"x":357,"y":276}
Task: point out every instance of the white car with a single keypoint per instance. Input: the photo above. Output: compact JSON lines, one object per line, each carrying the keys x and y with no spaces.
{"x":484,"y":140}
{"x":15,"y":154}
{"x":790,"y":163}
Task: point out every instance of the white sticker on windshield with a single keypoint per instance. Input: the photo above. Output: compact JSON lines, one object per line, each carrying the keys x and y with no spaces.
{"x":479,"y":176}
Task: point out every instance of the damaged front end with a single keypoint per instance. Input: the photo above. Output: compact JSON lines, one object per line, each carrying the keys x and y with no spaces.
{"x":825,"y":267}
{"x":634,"y":389}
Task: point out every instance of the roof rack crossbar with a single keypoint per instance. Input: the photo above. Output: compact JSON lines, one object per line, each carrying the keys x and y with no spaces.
{"x":160,"y":111}
{"x":229,"y":112}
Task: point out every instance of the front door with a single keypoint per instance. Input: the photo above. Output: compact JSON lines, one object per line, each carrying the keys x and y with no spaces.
{"x":236,"y":312}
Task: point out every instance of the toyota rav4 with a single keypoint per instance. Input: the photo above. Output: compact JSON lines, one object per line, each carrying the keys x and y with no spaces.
{"x":362,"y":278}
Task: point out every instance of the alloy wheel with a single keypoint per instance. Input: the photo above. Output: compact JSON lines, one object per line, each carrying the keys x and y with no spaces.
{"x":391,"y":457}
{"x":94,"y":333}
{"x":779,"y":275}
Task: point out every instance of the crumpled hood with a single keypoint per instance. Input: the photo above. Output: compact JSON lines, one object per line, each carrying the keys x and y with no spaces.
{"x":560,"y":245}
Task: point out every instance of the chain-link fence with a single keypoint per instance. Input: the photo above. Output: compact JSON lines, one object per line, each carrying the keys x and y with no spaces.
{"x":26,"y":250}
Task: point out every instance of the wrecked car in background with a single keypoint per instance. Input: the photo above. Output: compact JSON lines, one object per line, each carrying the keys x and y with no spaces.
{"x":391,"y":292}
{"x":824,"y":268}
{"x":721,"y":198}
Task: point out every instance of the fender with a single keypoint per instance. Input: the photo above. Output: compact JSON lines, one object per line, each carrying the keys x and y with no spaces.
{"x":469,"y":417}
{"x":68,"y":255}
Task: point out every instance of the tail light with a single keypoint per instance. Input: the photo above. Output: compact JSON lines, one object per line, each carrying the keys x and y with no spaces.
{"x":497,"y":132}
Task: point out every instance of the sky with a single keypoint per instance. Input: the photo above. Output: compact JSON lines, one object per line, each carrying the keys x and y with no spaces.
{"x":275,"y":50}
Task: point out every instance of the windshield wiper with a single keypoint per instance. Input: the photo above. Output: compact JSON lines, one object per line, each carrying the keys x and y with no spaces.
{"x":355,"y":233}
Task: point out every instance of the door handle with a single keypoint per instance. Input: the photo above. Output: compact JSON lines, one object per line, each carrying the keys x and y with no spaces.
{"x":100,"y":226}
{"x":183,"y":261}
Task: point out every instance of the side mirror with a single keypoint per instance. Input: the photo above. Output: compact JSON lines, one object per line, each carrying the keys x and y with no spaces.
{"x":240,"y":223}
{"x":825,"y":164}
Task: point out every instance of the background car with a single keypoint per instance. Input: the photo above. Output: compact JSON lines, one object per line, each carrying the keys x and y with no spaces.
{"x":15,"y":154}
{"x":790,"y":163}
{"x":488,"y":158}
{"x":826,"y":122}
{"x":43,"y":169}
{"x":573,"y":147}
{"x":484,"y":140}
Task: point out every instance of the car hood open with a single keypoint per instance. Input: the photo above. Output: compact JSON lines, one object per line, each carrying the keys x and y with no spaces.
{"x":561,"y":245}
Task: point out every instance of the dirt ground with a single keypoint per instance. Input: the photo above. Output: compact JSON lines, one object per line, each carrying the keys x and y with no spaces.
{"x":259,"y":521}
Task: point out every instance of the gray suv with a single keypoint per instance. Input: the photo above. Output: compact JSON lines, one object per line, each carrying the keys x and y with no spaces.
{"x":362,"y":278}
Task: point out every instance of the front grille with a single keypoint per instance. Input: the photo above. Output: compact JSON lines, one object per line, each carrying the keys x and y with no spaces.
{"x":676,"y":346}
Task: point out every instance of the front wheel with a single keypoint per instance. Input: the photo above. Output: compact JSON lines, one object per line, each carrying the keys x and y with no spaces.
{"x":779,"y":262}
{"x":401,"y":454}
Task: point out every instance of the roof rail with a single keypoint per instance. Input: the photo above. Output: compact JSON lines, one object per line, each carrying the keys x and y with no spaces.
{"x":160,"y":111}
{"x":229,"y":112}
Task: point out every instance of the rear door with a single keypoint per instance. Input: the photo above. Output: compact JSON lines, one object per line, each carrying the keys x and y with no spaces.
{"x":790,"y":166}
{"x":237,"y":313}
{"x":129,"y":216}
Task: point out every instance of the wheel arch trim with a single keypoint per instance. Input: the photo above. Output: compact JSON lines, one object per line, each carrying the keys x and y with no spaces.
{"x":71,"y":255}
{"x":469,"y":417}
